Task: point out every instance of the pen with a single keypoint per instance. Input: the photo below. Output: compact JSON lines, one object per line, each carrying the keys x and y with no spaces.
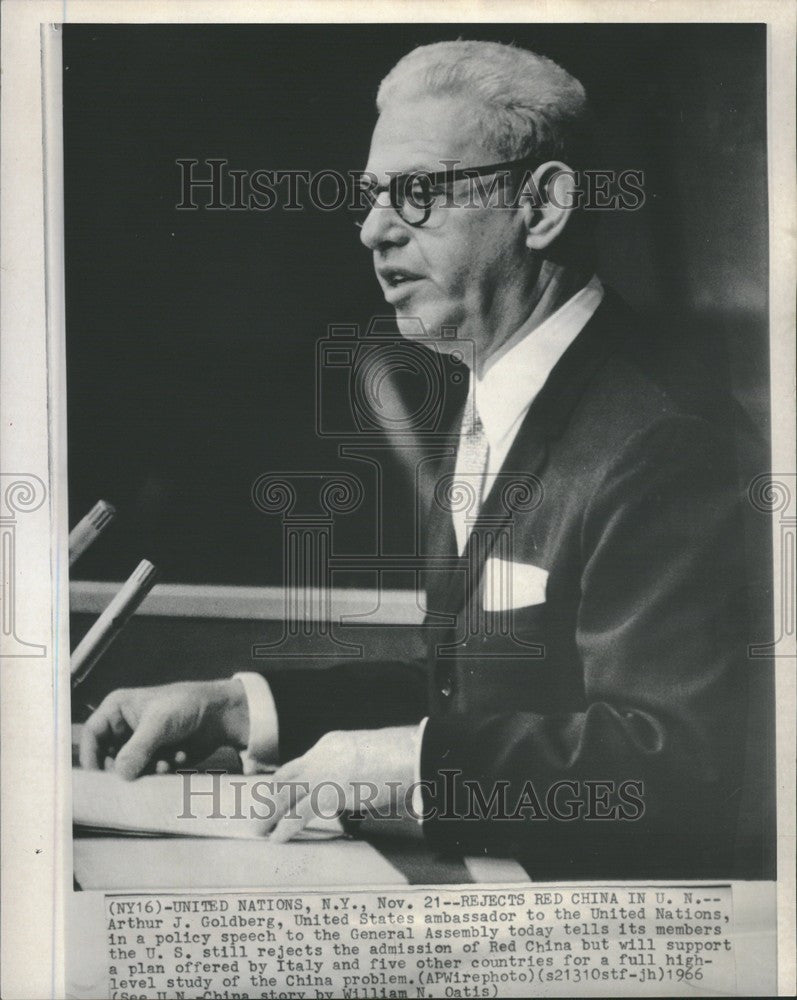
{"x":89,"y":529}
{"x":113,"y":619}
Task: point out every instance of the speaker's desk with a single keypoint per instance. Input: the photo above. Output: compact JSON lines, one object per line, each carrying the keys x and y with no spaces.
{"x":203,"y":632}
{"x":150,"y":863}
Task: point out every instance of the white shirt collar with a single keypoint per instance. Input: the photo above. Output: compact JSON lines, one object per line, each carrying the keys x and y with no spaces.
{"x":509,"y":387}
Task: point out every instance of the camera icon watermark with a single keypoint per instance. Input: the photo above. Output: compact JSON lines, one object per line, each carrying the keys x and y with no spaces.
{"x":376,"y":381}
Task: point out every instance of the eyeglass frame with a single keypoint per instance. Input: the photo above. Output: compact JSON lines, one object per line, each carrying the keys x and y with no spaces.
{"x":435,"y":179}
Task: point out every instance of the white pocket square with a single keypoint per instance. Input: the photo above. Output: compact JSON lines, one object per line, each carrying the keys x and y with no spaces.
{"x":510,"y":585}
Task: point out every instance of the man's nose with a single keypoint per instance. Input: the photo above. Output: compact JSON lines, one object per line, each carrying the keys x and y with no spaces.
{"x":383,"y":226}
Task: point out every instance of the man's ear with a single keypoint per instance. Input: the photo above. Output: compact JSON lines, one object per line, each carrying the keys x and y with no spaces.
{"x":548,"y":197}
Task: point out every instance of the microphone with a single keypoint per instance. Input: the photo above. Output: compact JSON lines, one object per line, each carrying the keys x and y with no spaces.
{"x":87,"y":531}
{"x":113,"y":619}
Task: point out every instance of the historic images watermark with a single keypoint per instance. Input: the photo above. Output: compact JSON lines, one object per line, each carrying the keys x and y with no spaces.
{"x":451,"y":798}
{"x":212,"y":184}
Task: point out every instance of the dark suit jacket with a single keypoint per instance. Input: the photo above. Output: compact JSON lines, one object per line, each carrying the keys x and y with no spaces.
{"x":632,"y":670}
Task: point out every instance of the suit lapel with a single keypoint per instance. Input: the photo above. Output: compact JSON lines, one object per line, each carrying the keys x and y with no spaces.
{"x":517,"y":488}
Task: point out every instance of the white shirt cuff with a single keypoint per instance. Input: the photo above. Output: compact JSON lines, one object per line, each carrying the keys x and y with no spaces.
{"x":263,"y":747}
{"x":417,"y":794}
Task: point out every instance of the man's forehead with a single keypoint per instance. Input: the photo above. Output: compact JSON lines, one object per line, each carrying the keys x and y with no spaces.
{"x":420,"y":132}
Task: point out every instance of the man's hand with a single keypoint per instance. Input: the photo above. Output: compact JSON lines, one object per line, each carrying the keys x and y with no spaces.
{"x":142,"y":725}
{"x":351,"y":771}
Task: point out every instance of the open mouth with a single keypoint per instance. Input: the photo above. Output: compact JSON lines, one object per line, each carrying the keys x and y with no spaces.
{"x":395,"y":277}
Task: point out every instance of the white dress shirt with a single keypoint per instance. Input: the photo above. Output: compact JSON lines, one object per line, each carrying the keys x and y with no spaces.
{"x":502,"y":397}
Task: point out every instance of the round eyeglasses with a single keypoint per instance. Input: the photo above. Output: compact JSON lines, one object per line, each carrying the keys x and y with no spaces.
{"x":413,"y":195}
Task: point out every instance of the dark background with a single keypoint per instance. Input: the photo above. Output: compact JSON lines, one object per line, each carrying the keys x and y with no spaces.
{"x":191,"y":336}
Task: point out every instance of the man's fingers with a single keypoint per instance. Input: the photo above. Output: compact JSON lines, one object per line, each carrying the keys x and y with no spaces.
{"x":288,"y":788}
{"x":284,"y":798}
{"x":91,"y":754}
{"x":291,"y":769}
{"x":143,"y":746}
{"x":170,"y":763}
{"x":294,"y":822}
{"x":103,"y":730}
{"x":324,"y":801}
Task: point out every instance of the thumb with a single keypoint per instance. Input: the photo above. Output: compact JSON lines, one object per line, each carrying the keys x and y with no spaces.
{"x":142,"y":747}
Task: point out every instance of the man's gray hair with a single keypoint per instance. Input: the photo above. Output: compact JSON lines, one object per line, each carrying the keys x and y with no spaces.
{"x":527,"y":105}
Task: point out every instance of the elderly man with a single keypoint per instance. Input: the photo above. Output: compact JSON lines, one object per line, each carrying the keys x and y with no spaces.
{"x":581,"y":710}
